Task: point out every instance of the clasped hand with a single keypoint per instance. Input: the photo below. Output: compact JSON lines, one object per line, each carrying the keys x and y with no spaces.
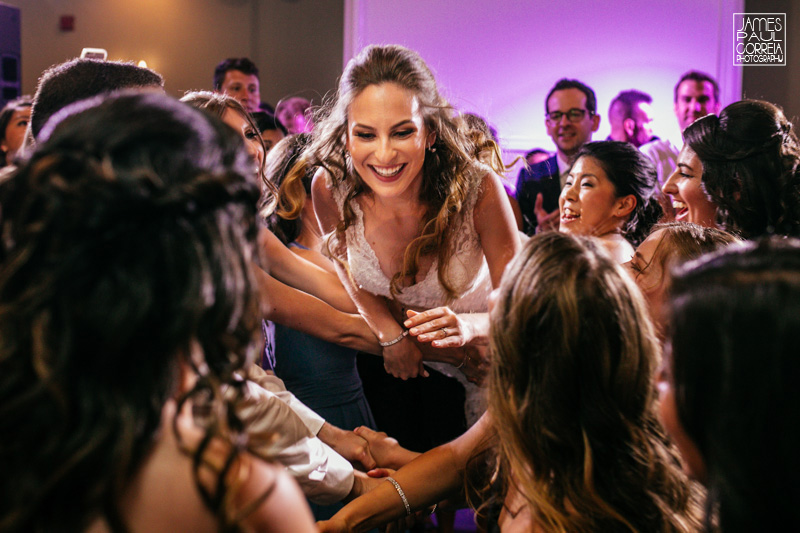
{"x":440,"y":326}
{"x":404,"y":360}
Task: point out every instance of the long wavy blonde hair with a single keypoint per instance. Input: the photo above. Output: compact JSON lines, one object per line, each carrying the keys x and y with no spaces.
{"x":573,"y":399}
{"x":446,"y":181}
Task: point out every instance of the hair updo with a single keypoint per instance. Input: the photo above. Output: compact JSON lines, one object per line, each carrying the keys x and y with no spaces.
{"x":127,"y":244}
{"x":750,"y":156}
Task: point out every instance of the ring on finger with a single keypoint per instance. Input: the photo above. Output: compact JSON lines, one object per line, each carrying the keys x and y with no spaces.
{"x":444,"y":330}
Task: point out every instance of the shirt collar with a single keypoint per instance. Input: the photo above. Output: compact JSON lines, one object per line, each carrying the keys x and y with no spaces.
{"x":563,"y":168}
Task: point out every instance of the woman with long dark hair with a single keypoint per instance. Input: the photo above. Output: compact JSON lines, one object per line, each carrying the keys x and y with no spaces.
{"x":129,"y":314}
{"x":729,"y":396}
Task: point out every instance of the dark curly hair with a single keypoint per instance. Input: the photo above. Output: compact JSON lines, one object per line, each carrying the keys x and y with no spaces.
{"x":750,"y":156}
{"x":127,"y":240}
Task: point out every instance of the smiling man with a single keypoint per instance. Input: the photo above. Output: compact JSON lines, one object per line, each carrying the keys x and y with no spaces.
{"x":696,"y":95}
{"x":571,"y":118}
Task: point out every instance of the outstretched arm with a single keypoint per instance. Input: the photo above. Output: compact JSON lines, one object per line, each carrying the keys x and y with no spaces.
{"x":433,"y":476}
{"x":277,"y":260}
{"x":303,"y":312}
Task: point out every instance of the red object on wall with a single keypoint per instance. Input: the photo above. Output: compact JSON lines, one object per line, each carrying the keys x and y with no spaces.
{"x":66,"y":23}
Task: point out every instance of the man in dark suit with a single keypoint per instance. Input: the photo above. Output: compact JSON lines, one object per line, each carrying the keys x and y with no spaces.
{"x":571,"y":118}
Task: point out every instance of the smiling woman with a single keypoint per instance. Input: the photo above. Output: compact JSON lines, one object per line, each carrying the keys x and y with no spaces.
{"x":397,"y":199}
{"x":750,"y":158}
{"x":689,"y":197}
{"x":413,"y":219}
{"x":390,"y":165}
{"x":609,"y":194}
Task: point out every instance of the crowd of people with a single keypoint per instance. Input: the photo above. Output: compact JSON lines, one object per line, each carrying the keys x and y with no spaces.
{"x":219,"y":315}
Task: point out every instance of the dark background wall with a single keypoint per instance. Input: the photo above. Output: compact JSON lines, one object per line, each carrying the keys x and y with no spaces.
{"x":296,"y":43}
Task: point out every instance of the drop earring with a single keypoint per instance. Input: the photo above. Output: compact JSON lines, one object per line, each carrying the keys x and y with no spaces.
{"x":432,"y":149}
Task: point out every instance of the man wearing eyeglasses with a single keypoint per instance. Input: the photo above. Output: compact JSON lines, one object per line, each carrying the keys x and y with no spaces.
{"x":571,"y":118}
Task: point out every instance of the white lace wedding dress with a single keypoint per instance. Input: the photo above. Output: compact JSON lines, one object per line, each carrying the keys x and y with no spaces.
{"x":467,"y":271}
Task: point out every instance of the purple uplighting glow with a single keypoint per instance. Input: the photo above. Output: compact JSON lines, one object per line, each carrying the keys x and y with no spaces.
{"x":499,"y":59}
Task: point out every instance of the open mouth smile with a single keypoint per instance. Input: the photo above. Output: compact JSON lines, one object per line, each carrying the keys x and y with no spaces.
{"x":569,"y":215}
{"x":387,"y":172}
{"x":681,"y":209}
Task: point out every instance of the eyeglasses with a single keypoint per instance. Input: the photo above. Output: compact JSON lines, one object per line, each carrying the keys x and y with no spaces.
{"x":573,"y":115}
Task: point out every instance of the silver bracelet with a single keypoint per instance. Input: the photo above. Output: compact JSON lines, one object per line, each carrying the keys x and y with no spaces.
{"x":401,"y":493}
{"x":394,"y":341}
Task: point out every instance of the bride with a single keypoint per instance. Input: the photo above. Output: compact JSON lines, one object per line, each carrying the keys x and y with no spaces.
{"x":419,"y":230}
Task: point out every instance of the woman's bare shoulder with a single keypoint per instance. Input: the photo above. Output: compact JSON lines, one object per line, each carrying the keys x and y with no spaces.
{"x":280,"y":504}
{"x":164,"y":496}
{"x":322,"y":182}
